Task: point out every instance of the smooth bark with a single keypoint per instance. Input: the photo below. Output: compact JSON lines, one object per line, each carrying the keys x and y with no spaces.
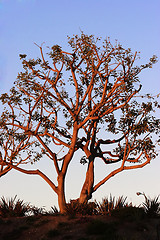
{"x":61,"y":193}
{"x":87,"y":189}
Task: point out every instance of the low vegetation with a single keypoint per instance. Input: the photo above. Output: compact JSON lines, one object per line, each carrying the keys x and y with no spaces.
{"x":112,"y":218}
{"x":108,"y":206}
{"x":152,"y":207}
{"x":13,"y":208}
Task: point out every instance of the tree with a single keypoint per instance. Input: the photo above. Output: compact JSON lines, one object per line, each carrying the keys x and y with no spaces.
{"x":85,"y":100}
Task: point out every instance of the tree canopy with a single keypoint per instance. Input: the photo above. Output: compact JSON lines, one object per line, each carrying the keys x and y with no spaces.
{"x":87,"y":99}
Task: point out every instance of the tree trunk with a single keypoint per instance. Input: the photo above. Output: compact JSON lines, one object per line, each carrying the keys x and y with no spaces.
{"x":61,"y":193}
{"x":87,"y":189}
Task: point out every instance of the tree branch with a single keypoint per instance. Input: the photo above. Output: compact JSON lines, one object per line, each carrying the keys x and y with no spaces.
{"x":120,"y":169}
{"x":35,"y":172}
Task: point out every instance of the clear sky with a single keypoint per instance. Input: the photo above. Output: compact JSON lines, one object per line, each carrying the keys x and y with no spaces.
{"x":134,"y":23}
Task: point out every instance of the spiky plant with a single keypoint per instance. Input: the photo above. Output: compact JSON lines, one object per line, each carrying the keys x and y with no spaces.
{"x":109,"y":204}
{"x":38,"y":210}
{"x":53,"y":211}
{"x":151,"y":206}
{"x":13,"y":208}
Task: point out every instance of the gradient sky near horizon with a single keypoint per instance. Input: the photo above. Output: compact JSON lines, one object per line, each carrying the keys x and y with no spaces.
{"x":134,"y":23}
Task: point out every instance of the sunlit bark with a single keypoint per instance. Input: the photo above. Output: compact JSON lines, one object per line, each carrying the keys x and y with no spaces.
{"x":86,"y":100}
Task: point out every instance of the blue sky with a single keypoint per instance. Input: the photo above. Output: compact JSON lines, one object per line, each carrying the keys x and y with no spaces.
{"x":24,"y":22}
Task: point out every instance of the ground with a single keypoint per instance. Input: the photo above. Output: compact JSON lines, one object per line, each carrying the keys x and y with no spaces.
{"x":79,"y":228}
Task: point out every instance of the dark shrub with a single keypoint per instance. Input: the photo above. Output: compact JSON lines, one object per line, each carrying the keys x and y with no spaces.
{"x":74,"y":208}
{"x":13,"y":208}
{"x":129,"y":213}
{"x":152,"y":207}
{"x":111,"y":203}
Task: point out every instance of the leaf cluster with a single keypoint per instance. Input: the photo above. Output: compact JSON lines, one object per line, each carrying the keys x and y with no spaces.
{"x":92,"y":88}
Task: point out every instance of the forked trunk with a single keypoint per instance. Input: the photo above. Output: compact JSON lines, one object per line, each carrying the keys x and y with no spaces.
{"x":87,"y":188}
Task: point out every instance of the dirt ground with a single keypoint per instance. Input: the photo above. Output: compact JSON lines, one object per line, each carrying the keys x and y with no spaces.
{"x":78,"y":228}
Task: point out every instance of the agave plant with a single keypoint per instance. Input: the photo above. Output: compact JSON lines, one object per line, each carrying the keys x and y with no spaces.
{"x":13,"y":208}
{"x":54,"y":211}
{"x":111,"y":203}
{"x":152,"y":206}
